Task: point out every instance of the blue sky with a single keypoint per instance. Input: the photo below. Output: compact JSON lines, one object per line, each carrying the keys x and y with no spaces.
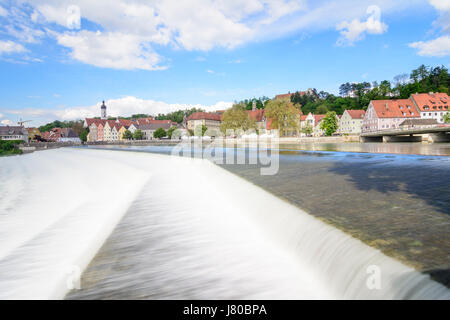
{"x":59,"y":59}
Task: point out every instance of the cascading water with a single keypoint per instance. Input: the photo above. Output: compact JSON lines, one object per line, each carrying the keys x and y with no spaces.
{"x":189,"y":230}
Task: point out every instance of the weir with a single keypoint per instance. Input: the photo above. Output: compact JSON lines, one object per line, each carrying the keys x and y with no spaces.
{"x":190,"y":230}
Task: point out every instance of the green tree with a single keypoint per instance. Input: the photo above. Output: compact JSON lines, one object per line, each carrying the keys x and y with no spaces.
{"x":84,"y":133}
{"x":159,"y":133}
{"x":236,"y":118}
{"x":322,"y":109}
{"x":329,"y":123}
{"x":308,"y":129}
{"x":138,"y":135}
{"x":178,"y":116}
{"x":199,"y":131}
{"x":447,"y":117}
{"x":285,"y":117}
{"x":127,"y":135}
{"x":170,"y":131}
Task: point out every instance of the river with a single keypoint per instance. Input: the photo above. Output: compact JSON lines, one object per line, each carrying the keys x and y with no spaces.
{"x":148,"y":226}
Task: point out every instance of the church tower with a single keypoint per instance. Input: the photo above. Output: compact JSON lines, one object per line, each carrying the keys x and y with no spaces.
{"x":103,"y":108}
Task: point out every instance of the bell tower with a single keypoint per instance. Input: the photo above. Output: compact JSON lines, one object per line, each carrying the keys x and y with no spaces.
{"x":103,"y":109}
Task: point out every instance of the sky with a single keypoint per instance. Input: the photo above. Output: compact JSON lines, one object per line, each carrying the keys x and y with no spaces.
{"x":59,"y":59}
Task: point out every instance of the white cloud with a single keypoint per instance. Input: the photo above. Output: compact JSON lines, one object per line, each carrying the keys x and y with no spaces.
{"x":1,"y":116}
{"x":6,"y":122}
{"x":110,"y":50}
{"x":356,"y":29}
{"x":442,"y":5}
{"x":3,"y":12}
{"x":10,"y":47}
{"x":116,"y":107}
{"x":439,"y":47}
{"x":190,"y":25}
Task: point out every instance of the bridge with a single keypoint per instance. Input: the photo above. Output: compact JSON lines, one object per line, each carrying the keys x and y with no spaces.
{"x":437,"y":133}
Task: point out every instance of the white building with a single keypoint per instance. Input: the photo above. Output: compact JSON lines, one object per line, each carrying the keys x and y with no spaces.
{"x":351,"y":122}
{"x":13,"y":133}
{"x":432,"y":105}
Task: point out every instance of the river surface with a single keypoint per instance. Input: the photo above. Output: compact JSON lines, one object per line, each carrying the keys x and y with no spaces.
{"x":145,"y":225}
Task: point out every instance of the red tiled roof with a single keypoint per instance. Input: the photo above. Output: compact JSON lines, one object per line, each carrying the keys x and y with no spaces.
{"x":356,"y":114}
{"x":303,"y":117}
{"x":205,"y":116}
{"x":288,"y":95}
{"x":402,"y":108}
{"x":318,"y":117}
{"x":431,"y":101}
{"x":143,"y":120}
{"x":256,"y":115}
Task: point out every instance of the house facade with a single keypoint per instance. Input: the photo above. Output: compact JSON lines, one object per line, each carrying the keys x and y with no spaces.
{"x":149,"y":128}
{"x":33,"y":133}
{"x":68,"y":135}
{"x":351,"y":122}
{"x":13,"y":133}
{"x":210,"y":120}
{"x":388,"y":114}
{"x":432,"y":105}
{"x":257,"y":115}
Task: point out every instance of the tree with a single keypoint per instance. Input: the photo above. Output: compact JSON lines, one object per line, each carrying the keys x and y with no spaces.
{"x":199,"y":131}
{"x":178,"y":116}
{"x":236,"y":118}
{"x":159,"y":133}
{"x":170,"y":131}
{"x":84,"y":133}
{"x":138,"y":135}
{"x":447,"y":117}
{"x":329,"y":123}
{"x":284,"y":116}
{"x":322,"y":109}
{"x":127,"y":135}
{"x":308,"y":129}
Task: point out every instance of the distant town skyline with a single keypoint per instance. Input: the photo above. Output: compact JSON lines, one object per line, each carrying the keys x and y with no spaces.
{"x":59,"y":61}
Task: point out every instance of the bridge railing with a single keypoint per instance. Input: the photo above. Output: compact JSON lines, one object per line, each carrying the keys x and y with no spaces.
{"x":406,"y":129}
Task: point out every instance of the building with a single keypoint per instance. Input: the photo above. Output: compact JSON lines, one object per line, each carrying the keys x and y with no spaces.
{"x":257,"y":115}
{"x":431,"y":105}
{"x":418,"y":123}
{"x":68,"y":135}
{"x":351,"y":122}
{"x":13,"y":133}
{"x":33,"y":133}
{"x":289,"y":94}
{"x":103,"y":111}
{"x":149,"y":128}
{"x":210,"y":120}
{"x":318,"y":132}
{"x":110,"y":131}
{"x":100,"y":131}
{"x":121,"y":132}
{"x":141,"y":121}
{"x":388,"y":114}
{"x":312,"y":121}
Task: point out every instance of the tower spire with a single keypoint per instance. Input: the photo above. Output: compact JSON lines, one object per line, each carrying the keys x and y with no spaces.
{"x":103,"y":111}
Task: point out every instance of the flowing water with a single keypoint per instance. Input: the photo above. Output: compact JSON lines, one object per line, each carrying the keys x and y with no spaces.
{"x":144,"y":225}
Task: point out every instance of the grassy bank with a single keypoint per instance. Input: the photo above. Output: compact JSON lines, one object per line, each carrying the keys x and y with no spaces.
{"x":10,"y":147}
